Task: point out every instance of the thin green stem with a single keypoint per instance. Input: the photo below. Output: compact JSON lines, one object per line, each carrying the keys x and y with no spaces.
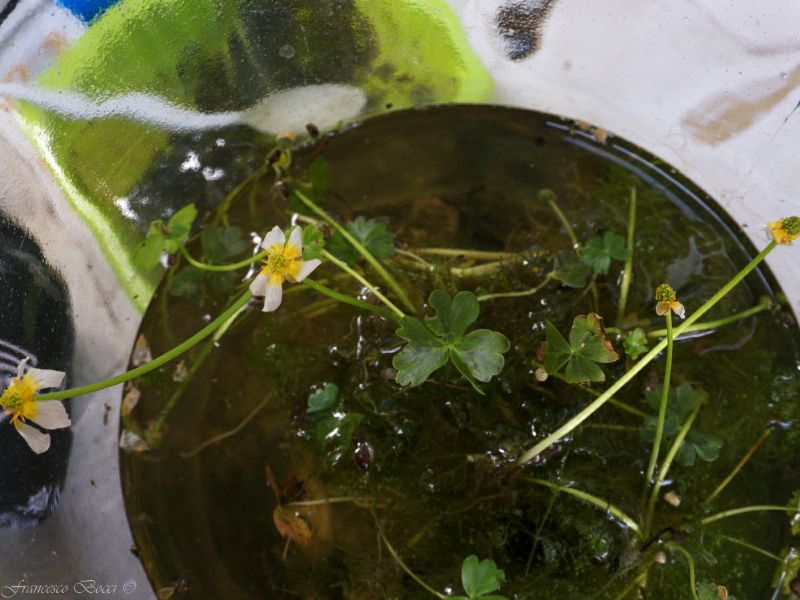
{"x":662,"y":407}
{"x":522,"y":294}
{"x":599,"y":502}
{"x":156,"y":362}
{"x":362,"y":280}
{"x":484,"y":269}
{"x":690,"y":562}
{"x":400,"y":562}
{"x":539,"y":528}
{"x":378,"y":310}
{"x":627,"y":274}
{"x":747,"y":509}
{"x":630,"y":587}
{"x":359,"y":247}
{"x":761,"y":307}
{"x":416,"y":258}
{"x":576,"y":245}
{"x":591,"y":408}
{"x":747,"y":456}
{"x":749,"y":546}
{"x":223,"y":207}
{"x":592,"y":392}
{"x":231,"y":267}
{"x":331,"y":500}
{"x":463,"y":253}
{"x":665,"y":467}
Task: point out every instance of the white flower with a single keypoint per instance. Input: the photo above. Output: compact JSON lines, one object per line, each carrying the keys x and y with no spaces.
{"x":19,"y":402}
{"x":284,"y":262}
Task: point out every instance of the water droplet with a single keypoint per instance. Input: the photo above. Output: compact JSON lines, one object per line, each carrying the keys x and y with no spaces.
{"x":287,"y":51}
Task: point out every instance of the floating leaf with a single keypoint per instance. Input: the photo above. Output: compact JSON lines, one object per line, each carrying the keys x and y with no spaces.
{"x":586,"y":347}
{"x":478,"y":356}
{"x":635,"y":343}
{"x":164,"y":238}
{"x":599,"y":252}
{"x":324,"y":398}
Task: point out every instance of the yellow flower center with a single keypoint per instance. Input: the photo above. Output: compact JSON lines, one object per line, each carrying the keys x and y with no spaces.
{"x":664,"y":293}
{"x":786,"y":230}
{"x":283,"y":261}
{"x":20,"y":398}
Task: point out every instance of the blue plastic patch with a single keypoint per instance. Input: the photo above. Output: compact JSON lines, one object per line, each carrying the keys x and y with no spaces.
{"x":86,"y":10}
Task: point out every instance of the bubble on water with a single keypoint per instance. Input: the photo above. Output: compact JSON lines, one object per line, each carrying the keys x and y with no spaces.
{"x":287,"y":51}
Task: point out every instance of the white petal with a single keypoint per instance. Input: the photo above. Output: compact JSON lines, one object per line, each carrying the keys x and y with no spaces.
{"x":306,"y":268}
{"x":51,"y":414}
{"x":276,"y":236}
{"x":46,"y":378}
{"x":273,"y":297}
{"x":21,"y":367}
{"x":679,"y":310}
{"x":38,"y":441}
{"x":259,"y":285}
{"x":296,"y":239}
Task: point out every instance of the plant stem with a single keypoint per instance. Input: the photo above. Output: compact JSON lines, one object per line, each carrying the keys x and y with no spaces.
{"x":415,"y":258}
{"x":522,"y":294}
{"x":762,"y":306}
{"x":400,"y":562}
{"x":484,"y":269}
{"x":226,"y":434}
{"x":612,"y":401}
{"x":358,"y":277}
{"x":231,"y":267}
{"x":665,"y":466}
{"x":156,"y":362}
{"x":662,"y":407}
{"x":627,"y":274}
{"x":331,"y":500}
{"x":747,"y":456}
{"x":576,"y":245}
{"x":539,"y":528}
{"x":749,"y":546}
{"x":599,"y":502}
{"x":590,"y":409}
{"x":223,"y":207}
{"x":690,"y":562}
{"x":459,"y":252}
{"x":366,"y":254}
{"x":747,"y":509}
{"x":378,"y":310}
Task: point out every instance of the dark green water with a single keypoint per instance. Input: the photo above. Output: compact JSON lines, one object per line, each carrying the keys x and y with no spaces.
{"x":434,"y":463}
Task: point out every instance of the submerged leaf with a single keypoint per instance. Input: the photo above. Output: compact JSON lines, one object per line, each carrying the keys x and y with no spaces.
{"x":313,"y":242}
{"x":291,"y":526}
{"x":570,"y":271}
{"x":323,"y":399}
{"x":220,"y":243}
{"x":599,"y":252}
{"x":635,"y":343}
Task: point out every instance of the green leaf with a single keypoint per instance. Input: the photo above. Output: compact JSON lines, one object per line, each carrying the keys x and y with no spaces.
{"x":794,"y":521}
{"x":587,"y":346}
{"x":482,"y":353}
{"x":599,"y":252}
{"x":480,"y":577}
{"x":424,"y":353}
{"x":313,"y":242}
{"x":635,"y":343}
{"x":188,"y":282}
{"x":682,"y":401}
{"x":374,"y":236}
{"x":220,"y":243}
{"x":583,"y":370}
{"x":453,"y":317}
{"x":570,"y":271}
{"x":478,"y":356}
{"x":707,"y":591}
{"x":557,"y":350}
{"x":148,"y":253}
{"x":342,"y":249}
{"x":323,"y":399}
{"x":179,"y":226}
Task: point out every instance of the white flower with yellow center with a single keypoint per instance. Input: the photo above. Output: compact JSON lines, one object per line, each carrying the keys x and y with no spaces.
{"x":284,"y":262}
{"x":19,"y":402}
